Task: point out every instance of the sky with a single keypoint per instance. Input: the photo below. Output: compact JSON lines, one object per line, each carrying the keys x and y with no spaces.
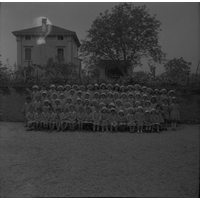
{"x":179,"y":36}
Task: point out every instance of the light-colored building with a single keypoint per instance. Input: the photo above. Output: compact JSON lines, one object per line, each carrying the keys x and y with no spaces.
{"x":36,"y":45}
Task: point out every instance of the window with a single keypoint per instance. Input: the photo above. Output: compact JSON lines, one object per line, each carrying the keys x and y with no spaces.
{"x":60,"y":54}
{"x":28,"y":54}
{"x":27,"y":37}
{"x":60,"y":37}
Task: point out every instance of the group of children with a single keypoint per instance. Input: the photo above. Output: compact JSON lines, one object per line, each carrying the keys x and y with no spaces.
{"x":101,"y":108}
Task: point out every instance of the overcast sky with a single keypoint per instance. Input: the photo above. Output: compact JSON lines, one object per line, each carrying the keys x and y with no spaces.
{"x":179,"y":36}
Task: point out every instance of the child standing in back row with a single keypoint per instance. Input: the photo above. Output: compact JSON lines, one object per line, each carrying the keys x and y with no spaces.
{"x":139,"y":119}
{"x":174,"y":113}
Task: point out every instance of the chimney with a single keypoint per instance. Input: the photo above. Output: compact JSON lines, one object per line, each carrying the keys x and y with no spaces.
{"x":44,"y":25}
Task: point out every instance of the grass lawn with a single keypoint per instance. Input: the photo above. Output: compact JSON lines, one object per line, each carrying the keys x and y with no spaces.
{"x":79,"y":164}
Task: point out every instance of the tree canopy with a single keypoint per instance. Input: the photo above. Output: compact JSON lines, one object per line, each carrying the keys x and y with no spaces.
{"x":127,"y":33}
{"x":177,"y":69}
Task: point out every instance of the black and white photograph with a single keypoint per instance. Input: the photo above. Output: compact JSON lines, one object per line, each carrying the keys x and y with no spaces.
{"x":99,"y":99}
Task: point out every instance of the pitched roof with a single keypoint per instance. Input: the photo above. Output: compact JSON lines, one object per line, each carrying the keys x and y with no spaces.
{"x":54,"y":30}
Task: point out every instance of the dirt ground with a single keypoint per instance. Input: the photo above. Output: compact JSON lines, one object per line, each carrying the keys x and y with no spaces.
{"x":79,"y":164}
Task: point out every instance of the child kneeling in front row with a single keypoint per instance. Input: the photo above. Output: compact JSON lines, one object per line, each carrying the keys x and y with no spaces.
{"x":38,"y":119}
{"x":113,"y":120}
{"x":64,"y":120}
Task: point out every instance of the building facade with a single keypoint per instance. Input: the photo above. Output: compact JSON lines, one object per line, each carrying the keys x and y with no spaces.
{"x":37,"y":45}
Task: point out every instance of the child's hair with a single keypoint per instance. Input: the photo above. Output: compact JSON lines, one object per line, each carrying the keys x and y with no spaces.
{"x":72,"y":91}
{"x":130,"y":95}
{"x":86,"y":101}
{"x":103,"y":85}
{"x":156,"y":91}
{"x":28,"y":98}
{"x":130,"y":110}
{"x":144,"y":96}
{"x":94,"y":102}
{"x":137,"y":94}
{"x":123,"y":95}
{"x":52,"y":86}
{"x":57,"y":100}
{"x":87,"y":94}
{"x":121,"y":112}
{"x":165,"y":99}
{"x":60,"y":87}
{"x":104,"y":109}
{"x":67,"y":86}
{"x":75,"y":87}
{"x":79,"y":92}
{"x":144,"y":88}
{"x":140,"y":108}
{"x":111,"y":105}
{"x":96,"y":95}
{"x":103,"y":95}
{"x":116,"y":94}
{"x":62,"y":95}
{"x":129,"y":87}
{"x":101,"y":104}
{"x":110,"y":86}
{"x":122,"y":88}
{"x":174,"y":99}
{"x":58,"y":109}
{"x":153,"y":97}
{"x":78,"y":100}
{"x":171,"y":92}
{"x":110,"y":94}
{"x":55,"y":95}
{"x":118,"y":101}
{"x":113,"y":109}
{"x":69,"y":98}
{"x":35,"y":87}
{"x":44,"y":93}
{"x":89,"y":87}
{"x":153,"y":110}
{"x":137,"y":102}
{"x":82,"y":87}
{"x":127,"y":105}
{"x":71,"y":106}
{"x":149,"y":90}
{"x":137,"y":87}
{"x":148,"y":102}
{"x":147,"y":112}
{"x":96,"y":86}
{"x":163,"y":91}
{"x":46,"y":101}
{"x":116,"y":86}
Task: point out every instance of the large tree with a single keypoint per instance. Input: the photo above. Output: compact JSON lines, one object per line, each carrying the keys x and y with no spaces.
{"x":124,"y":36}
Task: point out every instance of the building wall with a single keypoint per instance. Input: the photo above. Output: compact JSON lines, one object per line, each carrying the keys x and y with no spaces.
{"x":42,"y":52}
